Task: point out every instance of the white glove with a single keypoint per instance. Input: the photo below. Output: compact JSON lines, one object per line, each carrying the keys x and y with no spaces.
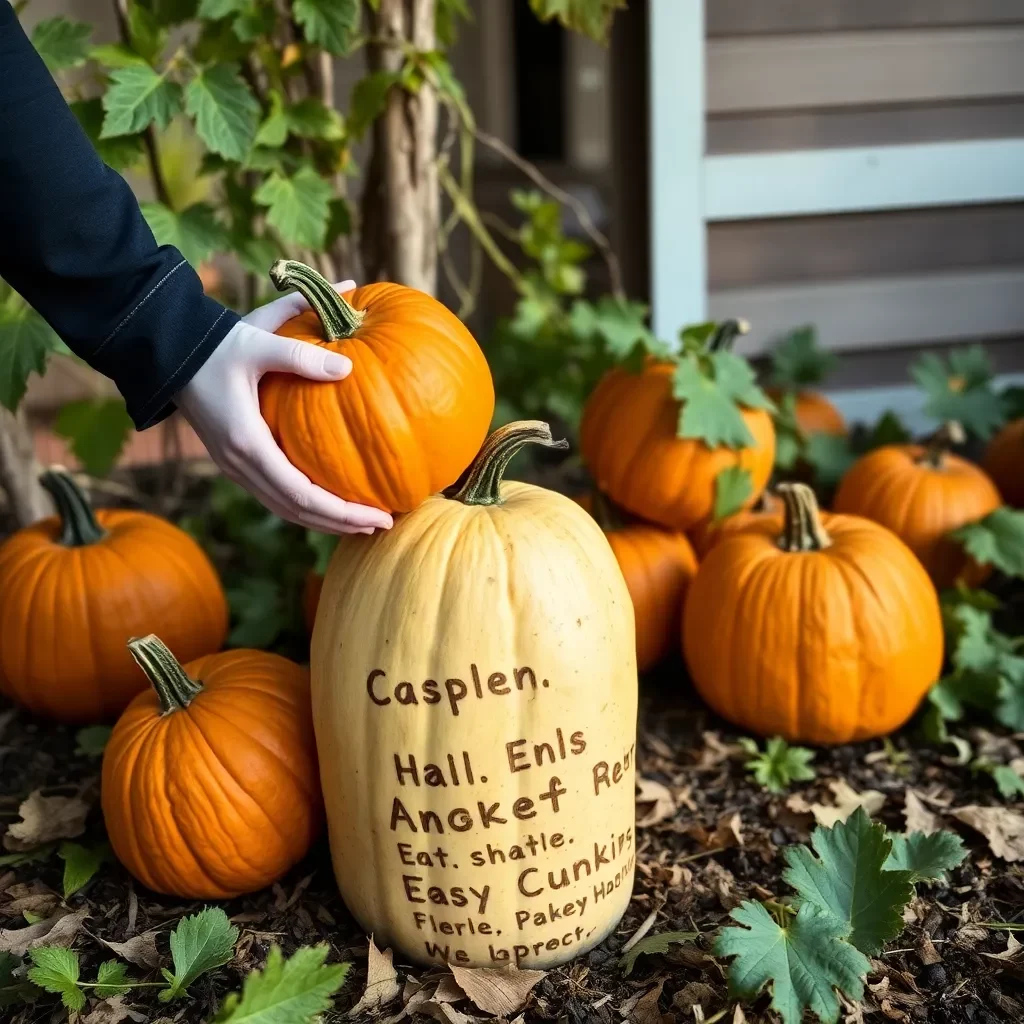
{"x":222,"y":404}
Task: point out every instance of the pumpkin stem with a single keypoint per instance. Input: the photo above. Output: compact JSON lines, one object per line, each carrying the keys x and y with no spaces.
{"x":172,"y":683}
{"x":339,"y":318}
{"x":483,"y":484}
{"x":940,"y":442}
{"x":78,"y":524}
{"x":725,"y":334}
{"x":802,"y":529}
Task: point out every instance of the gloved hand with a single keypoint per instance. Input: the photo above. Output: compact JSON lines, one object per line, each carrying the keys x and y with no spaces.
{"x":222,"y":404}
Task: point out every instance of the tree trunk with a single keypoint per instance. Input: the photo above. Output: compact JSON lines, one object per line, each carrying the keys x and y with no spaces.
{"x":19,"y":470}
{"x":402,"y":204}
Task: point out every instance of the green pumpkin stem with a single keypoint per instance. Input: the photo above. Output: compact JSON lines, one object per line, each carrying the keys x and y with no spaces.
{"x":802,"y":529}
{"x":725,"y":334}
{"x":940,"y":442}
{"x":78,"y":524}
{"x":483,"y":484}
{"x":172,"y":683}
{"x":339,"y":318}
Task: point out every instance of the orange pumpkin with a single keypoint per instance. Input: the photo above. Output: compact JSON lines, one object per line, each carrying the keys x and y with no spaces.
{"x":629,"y":440}
{"x":74,"y":588}
{"x":658,"y":566}
{"x":815,"y":414}
{"x":704,"y":536}
{"x":1004,"y":462}
{"x":210,"y":784}
{"x":412,"y":414}
{"x":922,"y":493}
{"x":824,"y":637}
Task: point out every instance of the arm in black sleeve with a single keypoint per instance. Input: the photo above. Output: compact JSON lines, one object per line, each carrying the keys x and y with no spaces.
{"x":74,"y":243}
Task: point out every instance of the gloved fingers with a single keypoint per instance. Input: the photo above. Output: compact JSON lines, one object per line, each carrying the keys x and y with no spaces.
{"x":267,"y":352}
{"x":271,"y":316}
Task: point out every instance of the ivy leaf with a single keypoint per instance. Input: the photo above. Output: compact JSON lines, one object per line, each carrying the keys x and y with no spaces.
{"x":298,"y":206}
{"x":120,"y":153}
{"x":654,"y":944}
{"x":97,"y":429}
{"x":80,"y":864}
{"x":798,"y":362}
{"x":194,"y":232}
{"x":733,"y":487}
{"x":137,"y":98}
{"x":591,"y":17}
{"x":292,"y":991}
{"x":369,"y":98}
{"x":848,"y":880}
{"x":830,"y":456}
{"x":200,"y":943}
{"x":926,"y":858}
{"x":331,"y":24}
{"x":960,"y":388}
{"x":779,"y":765}
{"x":91,"y":740}
{"x":804,"y":961}
{"x":996,"y":540}
{"x":56,"y":970}
{"x":226,"y":112}
{"x":26,"y":341}
{"x":62,"y":43}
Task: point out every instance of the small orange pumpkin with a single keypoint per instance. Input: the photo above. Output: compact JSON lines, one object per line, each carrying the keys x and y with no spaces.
{"x":815,"y":414}
{"x":76,"y":587}
{"x":1004,"y":462}
{"x":704,"y":536}
{"x":210,"y":784}
{"x":412,"y":414}
{"x":922,"y":493}
{"x":629,"y":440}
{"x":658,"y":566}
{"x":823,"y":637}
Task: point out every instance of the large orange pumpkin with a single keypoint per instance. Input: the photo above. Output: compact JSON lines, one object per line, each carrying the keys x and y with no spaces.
{"x":210,"y":781}
{"x":411,"y":415}
{"x":704,"y":536}
{"x":658,"y":566}
{"x":76,"y":587}
{"x":1004,"y":462}
{"x":922,"y":493}
{"x":824,"y":637}
{"x":815,"y":414}
{"x":629,"y":440}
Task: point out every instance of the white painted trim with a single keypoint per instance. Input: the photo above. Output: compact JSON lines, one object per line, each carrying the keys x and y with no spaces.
{"x":678,"y":235}
{"x":865,"y":314}
{"x":828,"y":181}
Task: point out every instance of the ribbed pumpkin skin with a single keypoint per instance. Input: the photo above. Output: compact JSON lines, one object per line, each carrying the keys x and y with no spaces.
{"x":921,"y":503}
{"x":67,"y":612}
{"x":825,"y":647}
{"x":815,"y":414}
{"x":628,"y":439}
{"x":704,"y":536}
{"x":528,"y":583}
{"x":1004,"y":462}
{"x":408,"y":419}
{"x":222,"y":797}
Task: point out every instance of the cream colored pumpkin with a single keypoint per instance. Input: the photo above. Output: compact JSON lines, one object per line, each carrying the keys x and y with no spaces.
{"x":474,"y":697}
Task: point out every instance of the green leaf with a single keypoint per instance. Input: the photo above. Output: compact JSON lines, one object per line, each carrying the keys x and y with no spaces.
{"x":62,"y":43}
{"x":299,"y":206}
{"x":115,"y":55}
{"x":274,"y":130}
{"x":226,"y":112}
{"x":369,"y":98}
{"x":120,"y":153}
{"x":148,"y":36}
{"x":888,"y":430}
{"x":1008,"y":780}
{"x":790,"y":440}
{"x":257,"y":254}
{"x":200,"y":943}
{"x":848,"y":880}
{"x":56,"y":970}
{"x":447,"y":17}
{"x":830,"y":456}
{"x":258,"y":612}
{"x":80,"y":864}
{"x":97,"y":429}
{"x":323,"y":545}
{"x":780,"y":765}
{"x":654,"y":944}
{"x":26,"y":341}
{"x":996,"y":540}
{"x":733,"y":486}
{"x":34,"y":856}
{"x":926,"y":858}
{"x":591,"y":17}
{"x":960,"y":388}
{"x":112,"y":979}
{"x":214,"y":9}
{"x":194,"y":232}
{"x":798,"y":362}
{"x":292,"y":991}
{"x":13,"y":990}
{"x":804,"y":961}
{"x":331,"y":24}
{"x":138,"y":97}
{"x":311,"y":119}
{"x":92,"y":740}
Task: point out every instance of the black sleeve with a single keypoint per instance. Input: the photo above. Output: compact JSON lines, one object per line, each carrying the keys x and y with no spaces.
{"x":75,"y":245}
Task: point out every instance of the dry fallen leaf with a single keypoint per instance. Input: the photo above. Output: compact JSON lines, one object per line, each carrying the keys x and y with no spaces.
{"x":112,"y":1011}
{"x":139,"y":949}
{"x":729,"y":831}
{"x":46,"y":818}
{"x":497,"y":990}
{"x":847,"y":800}
{"x":1003,"y":828}
{"x":917,"y":816}
{"x":654,"y":803}
{"x":926,"y":951}
{"x":32,"y":897}
{"x":381,"y":981}
{"x":1012,"y":951}
{"x":646,"y":1009}
{"x":59,"y":930}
